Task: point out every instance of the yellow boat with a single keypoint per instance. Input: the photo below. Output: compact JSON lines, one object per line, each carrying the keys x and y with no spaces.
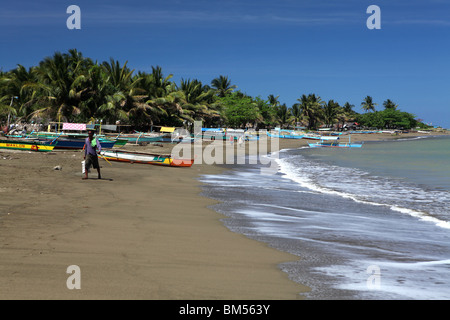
{"x":30,"y":145}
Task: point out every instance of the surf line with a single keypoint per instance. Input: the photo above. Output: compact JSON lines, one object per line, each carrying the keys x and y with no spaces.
{"x":286,"y":169}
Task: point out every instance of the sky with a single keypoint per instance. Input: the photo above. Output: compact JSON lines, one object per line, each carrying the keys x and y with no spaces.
{"x":286,"y":47}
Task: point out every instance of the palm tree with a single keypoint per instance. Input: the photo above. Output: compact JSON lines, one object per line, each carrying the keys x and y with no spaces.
{"x":12,"y":85}
{"x":311,"y":109}
{"x":388,"y":104}
{"x":200,"y":101}
{"x":348,"y":108}
{"x":112,"y":109}
{"x":347,"y":113}
{"x":330,"y":112}
{"x":119,"y":77}
{"x":94,"y":92}
{"x":283,"y":114}
{"x":141,"y":99}
{"x":296,"y":112}
{"x":148,"y":97}
{"x":159,"y":86}
{"x":76,"y":61}
{"x":223,"y":86}
{"x":55,"y":87}
{"x":368,"y":104}
{"x":273,"y":101}
{"x":171,"y":107}
{"x":196,"y":92}
{"x":6,"y":107}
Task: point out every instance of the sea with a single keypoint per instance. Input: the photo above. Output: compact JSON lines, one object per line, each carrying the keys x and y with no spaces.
{"x":370,"y":223}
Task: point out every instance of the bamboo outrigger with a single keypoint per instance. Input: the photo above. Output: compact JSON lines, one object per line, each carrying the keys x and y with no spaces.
{"x":145,"y":158}
{"x":327,"y":143}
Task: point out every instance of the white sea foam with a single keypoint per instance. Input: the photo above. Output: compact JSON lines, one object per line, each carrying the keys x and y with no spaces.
{"x":360,"y":187}
{"x":410,"y":254}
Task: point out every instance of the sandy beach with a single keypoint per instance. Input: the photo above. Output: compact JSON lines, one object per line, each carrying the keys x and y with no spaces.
{"x":141,"y":232}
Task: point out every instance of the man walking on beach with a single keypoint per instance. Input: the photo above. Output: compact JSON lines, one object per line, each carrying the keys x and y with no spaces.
{"x":91,"y":148}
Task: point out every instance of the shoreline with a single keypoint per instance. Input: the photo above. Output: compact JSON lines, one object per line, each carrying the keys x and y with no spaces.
{"x":140,"y":233}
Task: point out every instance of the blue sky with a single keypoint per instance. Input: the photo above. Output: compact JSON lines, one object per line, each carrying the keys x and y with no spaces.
{"x":286,"y":48}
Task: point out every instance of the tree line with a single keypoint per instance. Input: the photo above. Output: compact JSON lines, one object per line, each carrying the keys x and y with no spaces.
{"x":72,"y":88}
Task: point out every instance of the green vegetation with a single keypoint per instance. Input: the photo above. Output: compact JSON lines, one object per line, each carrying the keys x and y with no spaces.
{"x":388,"y":119}
{"x":69,"y":87}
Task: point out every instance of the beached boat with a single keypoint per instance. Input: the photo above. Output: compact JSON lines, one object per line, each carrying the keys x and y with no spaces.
{"x":104,"y":140}
{"x":71,"y":143}
{"x":285,"y":134}
{"x":140,"y":137}
{"x":319,"y":137}
{"x":26,"y":145}
{"x":328,"y":143}
{"x":118,"y":142}
{"x":145,"y":158}
{"x":69,"y":140}
{"x":228,"y":134}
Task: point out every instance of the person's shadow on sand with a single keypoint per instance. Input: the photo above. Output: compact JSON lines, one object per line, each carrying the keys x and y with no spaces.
{"x":102,"y":179}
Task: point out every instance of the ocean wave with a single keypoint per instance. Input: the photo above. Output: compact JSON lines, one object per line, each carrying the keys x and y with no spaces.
{"x":362,"y":187}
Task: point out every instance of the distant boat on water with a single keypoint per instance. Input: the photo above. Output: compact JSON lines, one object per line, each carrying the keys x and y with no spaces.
{"x":334,"y":143}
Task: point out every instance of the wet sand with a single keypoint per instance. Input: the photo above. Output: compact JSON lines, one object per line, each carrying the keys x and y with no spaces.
{"x":141,"y":232}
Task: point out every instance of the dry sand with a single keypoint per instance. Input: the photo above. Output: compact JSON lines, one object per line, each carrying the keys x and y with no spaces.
{"x":142,"y":232}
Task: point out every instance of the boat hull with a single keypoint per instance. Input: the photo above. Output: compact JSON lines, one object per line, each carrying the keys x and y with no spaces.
{"x":26,"y":146}
{"x":70,"y":140}
{"x":323,"y":138}
{"x":136,"y":138}
{"x":63,"y":143}
{"x":145,"y":158}
{"x":332,"y":145}
{"x":285,"y":136}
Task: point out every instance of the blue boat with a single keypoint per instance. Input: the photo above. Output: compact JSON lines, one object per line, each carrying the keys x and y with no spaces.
{"x":67,"y":143}
{"x":328,"y":143}
{"x":285,"y":134}
{"x":67,"y":140}
{"x":140,"y":137}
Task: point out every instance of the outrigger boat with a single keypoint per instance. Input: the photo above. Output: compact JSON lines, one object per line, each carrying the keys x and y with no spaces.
{"x":139,"y":137}
{"x":67,"y":143}
{"x":26,"y":145}
{"x":285,"y":134}
{"x":327,"y":143}
{"x":145,"y":158}
{"x":68,"y":140}
{"x":320,"y":137}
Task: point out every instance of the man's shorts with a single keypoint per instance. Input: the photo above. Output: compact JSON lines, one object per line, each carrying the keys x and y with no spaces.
{"x":91,"y":160}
